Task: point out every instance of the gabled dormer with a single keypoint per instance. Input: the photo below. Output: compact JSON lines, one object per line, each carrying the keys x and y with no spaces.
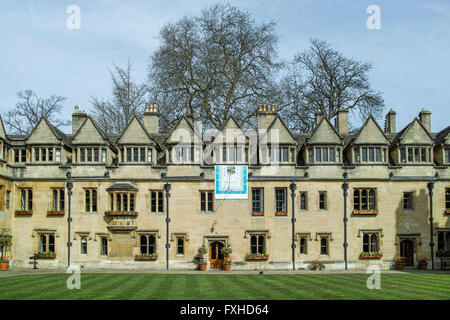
{"x":370,"y":145}
{"x":276,"y":142}
{"x":183,"y":143}
{"x":442,"y":149}
{"x":91,"y":145}
{"x":45,"y":144}
{"x":413,"y":145}
{"x":324,"y":144}
{"x":231,"y":145}
{"x":136,"y":146}
{"x":4,"y":146}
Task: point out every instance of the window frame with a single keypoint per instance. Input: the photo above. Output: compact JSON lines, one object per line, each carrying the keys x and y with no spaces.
{"x":327,"y":245}
{"x":284,"y":201}
{"x":206,"y":204}
{"x":177,"y":246}
{"x":409,"y":205}
{"x":324,"y":201}
{"x":303,"y":203}
{"x":369,"y":244}
{"x":258,"y":246}
{"x":258,"y":192}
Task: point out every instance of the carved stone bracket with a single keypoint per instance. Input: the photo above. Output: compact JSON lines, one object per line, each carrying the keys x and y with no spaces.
{"x":298,"y":235}
{"x":254,"y":232}
{"x":102,"y":235}
{"x":144,"y":232}
{"x":79,"y":234}
{"x":319,"y":234}
{"x":179,"y":234}
{"x":362,"y":231}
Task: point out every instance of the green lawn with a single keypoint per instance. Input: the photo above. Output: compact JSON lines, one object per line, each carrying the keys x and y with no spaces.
{"x":217,"y":287}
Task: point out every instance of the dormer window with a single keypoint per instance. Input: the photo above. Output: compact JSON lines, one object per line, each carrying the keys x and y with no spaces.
{"x":92,"y":154}
{"x":184,"y":154}
{"x":324,"y":155}
{"x":20,"y":155}
{"x":370,"y":154}
{"x":49,"y":154}
{"x":415,"y":155}
{"x":232,"y":153}
{"x":283,"y":154}
{"x":136,"y":154}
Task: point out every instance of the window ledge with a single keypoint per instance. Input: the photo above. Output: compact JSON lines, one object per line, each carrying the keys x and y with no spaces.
{"x":365,"y":212}
{"x":370,"y":256}
{"x":281,"y":214}
{"x":55,"y":213}
{"x":145,"y":258}
{"x":257,"y":258}
{"x":24,"y":212}
{"x":45,"y":255}
{"x":121,"y":213}
{"x":257,"y":214}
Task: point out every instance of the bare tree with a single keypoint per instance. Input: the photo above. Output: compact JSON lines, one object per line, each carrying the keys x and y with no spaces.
{"x":128,"y":99}
{"x":331,"y":81}
{"x":29,"y":110}
{"x":216,"y":64}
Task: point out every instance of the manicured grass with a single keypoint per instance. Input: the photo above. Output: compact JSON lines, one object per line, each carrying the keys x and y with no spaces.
{"x":228,"y":287}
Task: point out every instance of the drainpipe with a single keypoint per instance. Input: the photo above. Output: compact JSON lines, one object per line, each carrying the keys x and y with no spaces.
{"x":69,"y":218}
{"x":167,"y":190}
{"x":430,"y":191}
{"x":345,"y":193}
{"x":293,"y":187}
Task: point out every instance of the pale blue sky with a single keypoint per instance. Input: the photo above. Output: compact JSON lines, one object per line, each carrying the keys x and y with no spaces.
{"x":410,"y":53}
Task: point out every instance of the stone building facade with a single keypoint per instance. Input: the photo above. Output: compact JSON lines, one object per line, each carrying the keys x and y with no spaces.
{"x":118,"y":204}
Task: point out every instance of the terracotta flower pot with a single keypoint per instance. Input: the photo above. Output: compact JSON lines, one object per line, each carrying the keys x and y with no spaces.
{"x":4,"y":265}
{"x":202,"y":266}
{"x":227,"y":266}
{"x":399,"y":266}
{"x":423,"y":266}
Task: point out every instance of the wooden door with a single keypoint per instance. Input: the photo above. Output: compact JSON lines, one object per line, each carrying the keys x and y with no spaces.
{"x":216,"y":255}
{"x":406,"y":250}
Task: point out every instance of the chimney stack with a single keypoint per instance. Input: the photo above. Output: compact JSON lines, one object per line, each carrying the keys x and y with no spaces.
{"x":151,"y":118}
{"x":189,"y":115}
{"x":389,"y":123}
{"x":78,"y":119}
{"x":318,"y":116}
{"x":266,"y":114}
{"x":341,"y":123}
{"x":425,"y":118}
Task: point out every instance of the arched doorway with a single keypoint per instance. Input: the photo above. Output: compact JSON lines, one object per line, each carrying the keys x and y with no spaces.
{"x":215,"y":255}
{"x":407,"y":251}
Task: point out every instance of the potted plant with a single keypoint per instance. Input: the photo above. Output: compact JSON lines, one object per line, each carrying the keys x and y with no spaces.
{"x":400,"y":263}
{"x":202,"y":260}
{"x":5,"y":243}
{"x":227,"y":260}
{"x":423,"y":263}
{"x":4,"y":263}
{"x":316,"y":265}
